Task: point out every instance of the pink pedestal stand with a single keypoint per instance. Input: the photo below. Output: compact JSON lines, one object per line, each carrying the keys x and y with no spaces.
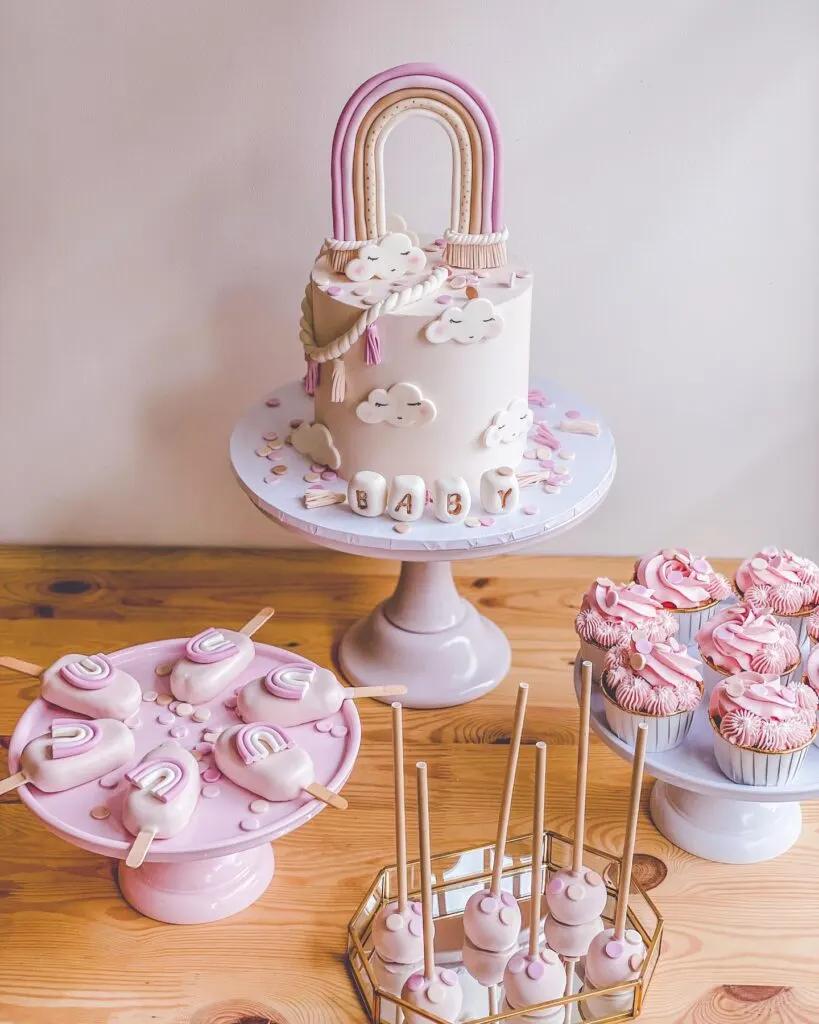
{"x":425,"y":635}
{"x":222,"y":862}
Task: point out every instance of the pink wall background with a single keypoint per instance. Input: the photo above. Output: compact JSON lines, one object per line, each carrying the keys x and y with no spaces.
{"x":164,"y":188}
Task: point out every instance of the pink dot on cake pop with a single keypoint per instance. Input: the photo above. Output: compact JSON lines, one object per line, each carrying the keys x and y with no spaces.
{"x":415,"y":983}
{"x":575,"y":892}
{"x":632,"y":937}
{"x":417,"y":908}
{"x":507,"y":915}
{"x":325,"y":725}
{"x":210,"y":792}
{"x":449,"y":978}
{"x":635,"y":961}
{"x":572,"y":414}
{"x":166,"y":718}
{"x":249,"y":824}
{"x":549,"y":956}
{"x":507,"y":899}
{"x":415,"y":926}
{"x":338,"y":731}
{"x":535,"y":970}
{"x":556,"y":886}
{"x":488,"y":905}
{"x":436,"y":993}
{"x":212,"y":775}
{"x":273,"y":403}
{"x":593,"y":879}
{"x":614,"y":949}
{"x":329,"y":474}
{"x":395,"y":923}
{"x":179,"y":732}
{"x":516,"y":964}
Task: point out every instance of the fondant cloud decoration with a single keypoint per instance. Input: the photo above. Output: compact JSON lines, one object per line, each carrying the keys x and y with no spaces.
{"x":316,"y":442}
{"x":389,"y":259}
{"x":509,"y":424}
{"x":478,"y":320}
{"x":402,"y":405}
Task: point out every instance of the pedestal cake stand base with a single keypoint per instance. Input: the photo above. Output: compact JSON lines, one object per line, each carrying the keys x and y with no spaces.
{"x":198,"y":891}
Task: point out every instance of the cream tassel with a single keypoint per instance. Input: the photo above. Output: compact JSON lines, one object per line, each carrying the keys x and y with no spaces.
{"x":338,"y":387}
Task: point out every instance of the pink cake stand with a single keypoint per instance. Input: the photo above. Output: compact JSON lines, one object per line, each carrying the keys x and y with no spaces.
{"x":425,"y":635}
{"x":223,"y":861}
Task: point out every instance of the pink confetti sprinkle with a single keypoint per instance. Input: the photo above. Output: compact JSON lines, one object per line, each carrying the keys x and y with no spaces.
{"x":271,"y":435}
{"x":251,"y":824}
{"x":338,"y":731}
{"x":179,"y":732}
{"x":329,"y":474}
{"x":530,"y":510}
{"x":572,"y":414}
{"x":325,"y":725}
{"x":166,"y":718}
{"x":441,"y":243}
{"x":212,"y":775}
{"x":530,"y":453}
{"x":296,"y":423}
{"x":274,"y":457}
{"x":445,"y":300}
{"x":523,"y":273}
{"x":546,"y":464}
{"x":262,"y":452}
{"x":316,"y":487}
{"x":487,"y":521}
{"x":210,"y":792}
{"x":109,"y":781}
{"x":273,"y":403}
{"x":272,"y":479}
{"x":334,"y":290}
{"x":317,"y":467}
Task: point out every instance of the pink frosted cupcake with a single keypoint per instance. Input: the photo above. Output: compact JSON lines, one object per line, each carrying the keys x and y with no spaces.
{"x":737,"y":639}
{"x":810,"y":680}
{"x":782,"y":581}
{"x":813,"y":626}
{"x":762,"y":729}
{"x":610,"y":612}
{"x":685,"y":584}
{"x":657,"y":683}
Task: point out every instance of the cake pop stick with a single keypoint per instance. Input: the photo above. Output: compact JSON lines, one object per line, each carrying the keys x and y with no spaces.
{"x":299,"y":693}
{"x":538,"y":977}
{"x":264,"y":759}
{"x":164,"y":794}
{"x":85,"y":684}
{"x":398,"y":929}
{"x":617,"y":954}
{"x":435,"y":990}
{"x":213,"y":659}
{"x":491,"y":916}
{"x":71,"y":753}
{"x":576,"y":897}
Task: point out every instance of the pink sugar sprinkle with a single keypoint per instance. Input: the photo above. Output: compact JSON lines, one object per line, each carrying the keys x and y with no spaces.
{"x":211,"y":775}
{"x":530,"y":510}
{"x":273,"y":403}
{"x":210,"y":792}
{"x":487,"y":521}
{"x":572,"y":414}
{"x":271,"y":435}
{"x":329,"y":474}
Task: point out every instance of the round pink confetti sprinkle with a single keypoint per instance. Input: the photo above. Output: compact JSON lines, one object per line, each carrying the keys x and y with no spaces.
{"x":535,"y":970}
{"x":275,"y":456}
{"x":572,"y":414}
{"x":251,"y":824}
{"x":700,"y":565}
{"x":316,"y":487}
{"x":507,"y":915}
{"x":395,"y":923}
{"x":179,"y":732}
{"x":149,"y":695}
{"x":262,"y":452}
{"x":523,"y":273}
{"x":530,"y":453}
{"x":100,"y":813}
{"x":507,"y":899}
{"x":441,"y":243}
{"x":675,"y":577}
{"x":272,"y":479}
{"x":210,"y":792}
{"x":338,"y":731}
{"x":556,"y":886}
{"x":166,"y":718}
{"x":296,"y":423}
{"x":329,"y":474}
{"x":334,"y":290}
{"x":449,"y":978}
{"x":273,"y":403}
{"x":643,"y":646}
{"x":317,"y":467}
{"x":445,"y":300}
{"x":212,"y":775}
{"x":311,"y":477}
{"x":487,"y":521}
{"x":109,"y":781}
{"x":325,"y":725}
{"x":530,"y":510}
{"x":271,"y":435}
{"x":259,"y":807}
{"x":547,"y":464}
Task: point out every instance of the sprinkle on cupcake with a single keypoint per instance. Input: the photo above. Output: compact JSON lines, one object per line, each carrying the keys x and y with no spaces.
{"x":780,"y":580}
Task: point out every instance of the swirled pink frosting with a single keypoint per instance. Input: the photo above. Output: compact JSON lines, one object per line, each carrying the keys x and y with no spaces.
{"x":680,"y":579}
{"x":738,"y":639}
{"x":611,"y":611}
{"x":754,"y":709}
{"x":812,"y":669}
{"x":659,"y":678}
{"x":778,"y":579}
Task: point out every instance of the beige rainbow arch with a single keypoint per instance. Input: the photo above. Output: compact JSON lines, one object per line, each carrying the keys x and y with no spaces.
{"x":476,"y":233}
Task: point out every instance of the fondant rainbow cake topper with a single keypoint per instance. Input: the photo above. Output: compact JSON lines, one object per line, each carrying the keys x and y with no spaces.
{"x":71,"y":737}
{"x":91,"y":673}
{"x":163,"y":777}
{"x":209,"y":646}
{"x":258,"y":741}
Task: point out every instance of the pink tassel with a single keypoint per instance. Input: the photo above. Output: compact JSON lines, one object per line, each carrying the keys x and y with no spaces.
{"x":372,"y":350}
{"x":311,"y":378}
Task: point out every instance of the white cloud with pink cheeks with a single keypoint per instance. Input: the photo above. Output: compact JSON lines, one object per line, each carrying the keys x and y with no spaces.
{"x":477,"y":321}
{"x":402,"y":405}
{"x":390,"y":259}
{"x":509,"y":424}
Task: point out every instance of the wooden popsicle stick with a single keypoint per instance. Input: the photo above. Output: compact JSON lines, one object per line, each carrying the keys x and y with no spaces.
{"x":508,"y":787}
{"x":357,"y":692}
{"x":400,"y":809}
{"x":536,"y":887}
{"x":258,"y":620}
{"x":139,"y":848}
{"x":24,"y":667}
{"x":425,"y":857}
{"x":582,"y":767}
{"x":326,"y":795}
{"x":13,"y":782}
{"x":624,"y":881}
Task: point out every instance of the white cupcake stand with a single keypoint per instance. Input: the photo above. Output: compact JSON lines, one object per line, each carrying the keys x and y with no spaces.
{"x":700,"y":810}
{"x":425,"y":635}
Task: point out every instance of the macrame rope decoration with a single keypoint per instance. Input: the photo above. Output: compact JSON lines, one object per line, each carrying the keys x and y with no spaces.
{"x":365,"y":325}
{"x":476,"y":237}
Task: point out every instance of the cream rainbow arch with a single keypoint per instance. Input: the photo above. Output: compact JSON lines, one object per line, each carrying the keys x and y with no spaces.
{"x":258,"y":741}
{"x":210,"y":646}
{"x":71,"y":737}
{"x":163,"y":777}
{"x":290,"y":682}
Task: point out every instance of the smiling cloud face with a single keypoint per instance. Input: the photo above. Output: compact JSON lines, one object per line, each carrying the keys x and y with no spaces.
{"x":390,"y":259}
{"x":402,"y":405}
{"x":476,"y":321}
{"x":316,"y":442}
{"x":509,"y":424}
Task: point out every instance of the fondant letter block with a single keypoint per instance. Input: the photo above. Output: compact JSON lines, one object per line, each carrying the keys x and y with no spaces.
{"x":500,"y":492}
{"x":407,"y":497}
{"x":451,"y":499}
{"x":367,"y":493}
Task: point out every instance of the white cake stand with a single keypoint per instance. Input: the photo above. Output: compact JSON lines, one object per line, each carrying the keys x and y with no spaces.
{"x":425,"y":635}
{"x":702,"y":811}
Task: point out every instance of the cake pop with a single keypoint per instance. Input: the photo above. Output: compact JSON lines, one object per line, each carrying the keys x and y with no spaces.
{"x":398,"y":933}
{"x":616,"y":954}
{"x":213,"y":659}
{"x":165,"y":791}
{"x":538,"y":977}
{"x":264,"y":759}
{"x":576,"y":896}
{"x":85,"y":684}
{"x":492,"y":916}
{"x":299,"y":693}
{"x":436,"y":990}
{"x":73,"y":752}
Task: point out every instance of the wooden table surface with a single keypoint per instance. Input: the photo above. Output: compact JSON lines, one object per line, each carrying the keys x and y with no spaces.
{"x":742,"y":943}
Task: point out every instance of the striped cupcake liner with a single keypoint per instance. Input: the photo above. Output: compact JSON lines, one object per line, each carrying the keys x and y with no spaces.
{"x":749,"y":766}
{"x":664,"y":731}
{"x":590,"y":651}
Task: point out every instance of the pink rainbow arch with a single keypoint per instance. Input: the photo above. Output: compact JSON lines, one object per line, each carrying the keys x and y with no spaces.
{"x":410,"y":76}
